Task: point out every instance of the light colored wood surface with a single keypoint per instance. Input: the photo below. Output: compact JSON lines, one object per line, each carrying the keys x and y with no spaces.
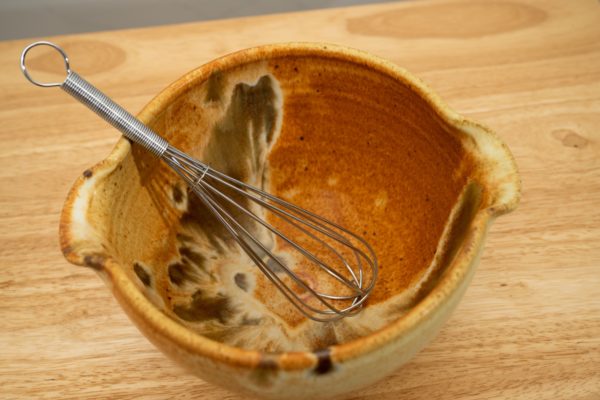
{"x":529,"y":326}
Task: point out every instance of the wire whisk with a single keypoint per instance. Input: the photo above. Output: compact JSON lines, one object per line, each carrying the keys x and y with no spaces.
{"x":329,"y":272}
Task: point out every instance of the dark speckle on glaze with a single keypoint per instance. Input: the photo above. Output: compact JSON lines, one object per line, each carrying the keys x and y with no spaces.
{"x":267,"y":362}
{"x":177,"y":194}
{"x":324,"y":363}
{"x":199,"y":217}
{"x":67,"y":250}
{"x":214,"y":87}
{"x":142,"y":274}
{"x":179,"y":272}
{"x":194,"y":257}
{"x":87,"y":173}
{"x":204,"y":308}
{"x":241,"y":281}
{"x":94,"y":261}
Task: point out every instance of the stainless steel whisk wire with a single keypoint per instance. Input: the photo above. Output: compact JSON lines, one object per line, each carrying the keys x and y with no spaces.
{"x":203,"y":181}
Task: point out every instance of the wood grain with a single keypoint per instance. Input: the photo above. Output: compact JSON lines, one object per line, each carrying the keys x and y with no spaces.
{"x":529,"y":326}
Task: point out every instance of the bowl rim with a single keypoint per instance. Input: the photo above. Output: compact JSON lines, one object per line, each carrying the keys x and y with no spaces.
{"x":142,"y":310}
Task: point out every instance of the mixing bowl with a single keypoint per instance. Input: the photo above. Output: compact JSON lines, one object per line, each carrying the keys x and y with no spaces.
{"x":337,"y":131}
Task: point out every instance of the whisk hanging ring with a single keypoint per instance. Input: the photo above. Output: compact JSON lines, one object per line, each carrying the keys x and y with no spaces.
{"x":26,"y":72}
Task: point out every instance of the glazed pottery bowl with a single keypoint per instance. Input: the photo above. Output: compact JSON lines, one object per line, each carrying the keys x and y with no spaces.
{"x":334,"y":130}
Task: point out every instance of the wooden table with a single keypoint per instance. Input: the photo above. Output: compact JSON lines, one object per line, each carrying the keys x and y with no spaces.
{"x":529,"y":326}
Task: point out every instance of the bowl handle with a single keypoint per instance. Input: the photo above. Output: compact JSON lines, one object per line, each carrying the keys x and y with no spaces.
{"x":496,"y":167}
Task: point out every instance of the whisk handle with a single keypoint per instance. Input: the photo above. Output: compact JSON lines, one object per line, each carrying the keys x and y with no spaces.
{"x":113,"y":113}
{"x":101,"y":104}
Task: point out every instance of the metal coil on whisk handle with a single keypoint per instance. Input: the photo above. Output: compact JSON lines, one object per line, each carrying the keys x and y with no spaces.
{"x":342,"y":256}
{"x":101,"y":104}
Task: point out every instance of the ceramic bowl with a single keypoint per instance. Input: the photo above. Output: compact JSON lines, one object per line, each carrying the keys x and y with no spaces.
{"x":337,"y":131}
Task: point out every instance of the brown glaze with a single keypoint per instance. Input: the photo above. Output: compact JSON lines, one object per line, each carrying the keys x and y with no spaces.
{"x":180,"y":272}
{"x":177,"y":195}
{"x":241,"y":281}
{"x":384,"y":169}
{"x":204,"y":307}
{"x":324,"y":364}
{"x":94,"y":261}
{"x":142,"y":274}
{"x":214,"y":87}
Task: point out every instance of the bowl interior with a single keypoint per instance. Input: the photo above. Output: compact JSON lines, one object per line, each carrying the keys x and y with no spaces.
{"x":327,"y":132}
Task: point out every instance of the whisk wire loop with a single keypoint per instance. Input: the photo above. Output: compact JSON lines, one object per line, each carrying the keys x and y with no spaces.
{"x":297,"y":217}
